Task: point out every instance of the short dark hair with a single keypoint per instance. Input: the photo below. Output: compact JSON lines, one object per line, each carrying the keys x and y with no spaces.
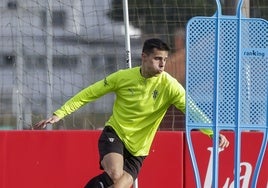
{"x":150,"y":44}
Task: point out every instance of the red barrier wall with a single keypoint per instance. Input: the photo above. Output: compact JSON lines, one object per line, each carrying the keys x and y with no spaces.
{"x":55,"y":159}
{"x":164,"y":166}
{"x":47,"y":159}
{"x":68,"y":159}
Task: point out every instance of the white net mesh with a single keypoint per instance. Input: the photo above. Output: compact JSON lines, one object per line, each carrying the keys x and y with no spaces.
{"x":51,"y":49}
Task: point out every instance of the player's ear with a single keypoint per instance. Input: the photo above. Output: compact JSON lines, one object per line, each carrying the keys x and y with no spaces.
{"x":143,"y":55}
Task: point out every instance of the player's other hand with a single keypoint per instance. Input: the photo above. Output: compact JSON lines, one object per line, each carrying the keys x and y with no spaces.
{"x":223,"y":141}
{"x":43,"y":123}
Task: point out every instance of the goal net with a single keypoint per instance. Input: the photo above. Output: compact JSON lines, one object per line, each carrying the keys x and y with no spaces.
{"x":51,"y":49}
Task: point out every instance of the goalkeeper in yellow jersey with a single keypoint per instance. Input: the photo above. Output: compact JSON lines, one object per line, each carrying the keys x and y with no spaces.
{"x":143,"y":95}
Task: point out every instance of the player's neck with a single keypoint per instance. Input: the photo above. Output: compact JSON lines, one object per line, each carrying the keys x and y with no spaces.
{"x":143,"y":73}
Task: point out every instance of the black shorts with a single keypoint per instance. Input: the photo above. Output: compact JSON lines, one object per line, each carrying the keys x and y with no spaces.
{"x":109,"y":142}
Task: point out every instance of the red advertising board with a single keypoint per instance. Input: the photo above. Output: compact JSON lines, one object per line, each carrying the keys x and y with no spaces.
{"x":164,"y":166}
{"x":69,"y":159}
{"x":51,"y":159}
{"x":250,"y":145}
{"x":56,"y":159}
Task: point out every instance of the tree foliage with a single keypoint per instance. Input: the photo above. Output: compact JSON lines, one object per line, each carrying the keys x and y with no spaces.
{"x":164,"y":17}
{"x":161,"y":16}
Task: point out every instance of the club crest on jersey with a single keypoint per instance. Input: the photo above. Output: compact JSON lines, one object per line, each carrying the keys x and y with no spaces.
{"x":155,"y":94}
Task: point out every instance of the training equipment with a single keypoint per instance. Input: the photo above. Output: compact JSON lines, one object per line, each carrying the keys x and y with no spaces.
{"x":227,"y":81}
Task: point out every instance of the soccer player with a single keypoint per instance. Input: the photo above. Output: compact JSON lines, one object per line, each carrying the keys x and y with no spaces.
{"x":143,"y":95}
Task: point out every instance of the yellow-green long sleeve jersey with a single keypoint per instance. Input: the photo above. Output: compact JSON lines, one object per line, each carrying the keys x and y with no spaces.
{"x":139,"y":107}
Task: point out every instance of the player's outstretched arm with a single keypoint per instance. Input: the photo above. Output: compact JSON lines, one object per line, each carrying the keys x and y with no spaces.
{"x":43,"y":123}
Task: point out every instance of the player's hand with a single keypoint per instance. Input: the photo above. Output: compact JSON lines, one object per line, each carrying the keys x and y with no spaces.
{"x":223,"y":141}
{"x":43,"y":124}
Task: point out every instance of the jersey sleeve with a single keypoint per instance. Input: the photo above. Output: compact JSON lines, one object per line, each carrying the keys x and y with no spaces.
{"x":87,"y":95}
{"x":180,"y":103}
{"x":178,"y":98}
{"x":199,"y":116}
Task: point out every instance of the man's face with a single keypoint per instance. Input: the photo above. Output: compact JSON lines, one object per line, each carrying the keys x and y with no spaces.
{"x":154,"y":64}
